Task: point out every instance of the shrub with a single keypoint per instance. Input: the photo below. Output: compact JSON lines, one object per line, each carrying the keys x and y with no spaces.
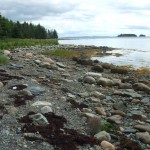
{"x":3,"y":59}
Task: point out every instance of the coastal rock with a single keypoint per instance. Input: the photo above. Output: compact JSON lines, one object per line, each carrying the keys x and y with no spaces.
{"x":103,"y":135}
{"x":89,"y":80}
{"x":36,"y":90}
{"x":107,"y":145}
{"x":101,"y":111}
{"x":39,"y":119}
{"x":120,"y":106}
{"x":116,"y":82}
{"x":144,"y":137}
{"x":46,"y":109}
{"x":98,"y":95}
{"x":94,"y":75}
{"x":41,"y":103}
{"x":118,"y":112}
{"x":97,"y":68}
{"x":48,"y":60}
{"x":141,"y":87}
{"x":105,"y":82}
{"x":116,"y":119}
{"x":1,"y":84}
{"x":28,"y":55}
{"x":142,"y":127}
{"x":6,"y":52}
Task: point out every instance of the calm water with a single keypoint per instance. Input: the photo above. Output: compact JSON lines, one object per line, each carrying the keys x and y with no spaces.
{"x":136,"y":51}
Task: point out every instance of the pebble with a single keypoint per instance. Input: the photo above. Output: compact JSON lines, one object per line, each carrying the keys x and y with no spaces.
{"x":107,"y":145}
{"x":103,"y":135}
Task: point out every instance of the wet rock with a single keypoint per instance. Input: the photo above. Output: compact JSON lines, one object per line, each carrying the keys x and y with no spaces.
{"x":142,"y":127}
{"x":89,"y":80}
{"x":97,"y":68}
{"x":116,"y":119}
{"x":41,"y":103}
{"x":141,"y":87}
{"x":101,"y":111}
{"x":46,"y":109}
{"x":107,"y":145}
{"x":105,"y":82}
{"x":144,"y":137}
{"x":39,"y":119}
{"x":103,"y":135}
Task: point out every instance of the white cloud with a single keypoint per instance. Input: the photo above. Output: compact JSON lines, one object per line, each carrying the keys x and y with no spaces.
{"x":83,"y":17}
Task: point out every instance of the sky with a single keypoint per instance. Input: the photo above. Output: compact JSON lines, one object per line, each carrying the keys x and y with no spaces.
{"x":82,"y":17}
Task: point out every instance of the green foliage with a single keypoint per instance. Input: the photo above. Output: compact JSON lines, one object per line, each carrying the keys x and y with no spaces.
{"x":3,"y":59}
{"x":14,"y":43}
{"x":60,"y":52}
{"x":10,"y":29}
{"x":108,"y":127}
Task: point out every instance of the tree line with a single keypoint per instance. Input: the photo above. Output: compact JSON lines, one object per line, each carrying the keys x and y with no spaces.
{"x":10,"y":29}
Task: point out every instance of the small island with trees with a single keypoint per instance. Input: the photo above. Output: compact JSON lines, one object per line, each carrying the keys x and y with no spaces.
{"x":131,"y":35}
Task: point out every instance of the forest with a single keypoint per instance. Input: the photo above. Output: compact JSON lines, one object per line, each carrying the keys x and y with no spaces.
{"x":10,"y":29}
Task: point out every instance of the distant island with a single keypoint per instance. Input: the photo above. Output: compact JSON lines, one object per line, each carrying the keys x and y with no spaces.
{"x":131,"y":35}
{"x":127,"y":35}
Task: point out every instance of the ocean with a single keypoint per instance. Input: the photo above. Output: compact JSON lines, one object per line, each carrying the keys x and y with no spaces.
{"x":135,"y":50}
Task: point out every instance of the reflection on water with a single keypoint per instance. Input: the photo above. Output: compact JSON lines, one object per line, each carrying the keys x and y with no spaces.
{"x":136,"y":51}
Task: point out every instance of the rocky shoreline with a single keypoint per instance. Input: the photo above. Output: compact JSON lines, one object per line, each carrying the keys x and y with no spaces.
{"x":60,"y":103}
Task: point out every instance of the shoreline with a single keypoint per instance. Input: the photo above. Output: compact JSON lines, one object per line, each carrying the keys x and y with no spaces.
{"x":89,"y":96}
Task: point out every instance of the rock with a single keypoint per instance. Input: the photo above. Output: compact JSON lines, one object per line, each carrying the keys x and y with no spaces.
{"x":119,"y":70}
{"x":107,"y":145}
{"x":100,"y":111}
{"x":48,"y":60}
{"x":36,"y":90}
{"x":116,"y":82}
{"x":116,"y":119}
{"x":12,"y":110}
{"x":141,"y":87}
{"x":39,"y":119}
{"x":41,"y":103}
{"x":118,"y":112}
{"x":142,"y":127}
{"x":105,"y":82}
{"x":128,"y":93}
{"x":89,"y":80}
{"x":144,"y":137}
{"x":138,"y":115}
{"x":103,"y":135}
{"x":60,"y":65}
{"x":120,"y":106}
{"x":28,"y":55}
{"x":94,"y":75}
{"x":1,"y":84}
{"x":46,"y":109}
{"x":97,"y":68}
{"x":98,"y":95}
{"x":93,"y":124}
{"x":15,"y":66}
{"x":85,"y":94}
{"x":6,"y":52}
{"x":37,"y":61}
{"x":24,"y":93}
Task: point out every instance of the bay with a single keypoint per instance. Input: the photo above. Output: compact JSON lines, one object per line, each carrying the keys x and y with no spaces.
{"x":135,"y":51}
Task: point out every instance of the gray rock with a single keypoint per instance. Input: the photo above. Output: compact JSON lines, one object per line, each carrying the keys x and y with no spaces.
{"x":105,"y":82}
{"x":97,"y":68}
{"x":46,"y":109}
{"x":36,"y":90}
{"x":89,"y":80}
{"x":1,"y":84}
{"x":94,"y":75}
{"x":143,"y":127}
{"x":116,"y":119}
{"x":24,"y":93}
{"x":98,"y":95}
{"x":42,"y":103}
{"x":60,"y":65}
{"x":103,"y":135}
{"x":120,"y":106}
{"x":144,"y":137}
{"x":141,"y":87}
{"x":39,"y":119}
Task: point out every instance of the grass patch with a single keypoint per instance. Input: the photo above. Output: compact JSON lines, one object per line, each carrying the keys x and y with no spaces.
{"x":142,"y":71}
{"x":3,"y":59}
{"x":108,"y":127}
{"x":15,"y":43}
{"x":60,"y":52}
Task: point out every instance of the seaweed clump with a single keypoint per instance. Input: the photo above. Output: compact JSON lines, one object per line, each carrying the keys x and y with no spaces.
{"x":55,"y":133}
